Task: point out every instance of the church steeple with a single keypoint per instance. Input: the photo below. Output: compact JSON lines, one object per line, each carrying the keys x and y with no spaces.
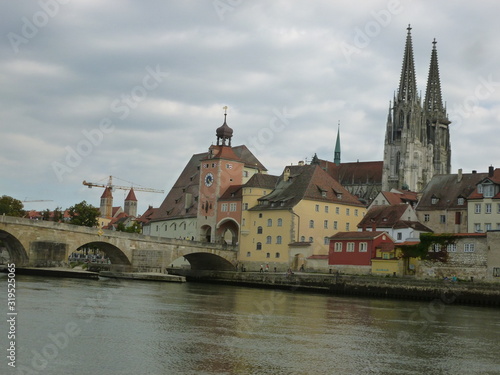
{"x":408,"y":84}
{"x":336,"y":157}
{"x":433,"y":103}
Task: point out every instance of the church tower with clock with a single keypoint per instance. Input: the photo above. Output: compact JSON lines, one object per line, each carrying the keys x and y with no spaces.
{"x":219,"y":170}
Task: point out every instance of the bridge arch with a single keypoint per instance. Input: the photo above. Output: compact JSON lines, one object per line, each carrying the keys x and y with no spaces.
{"x":228,"y":231}
{"x":208,"y":261}
{"x":114,"y":253}
{"x":15,"y":248}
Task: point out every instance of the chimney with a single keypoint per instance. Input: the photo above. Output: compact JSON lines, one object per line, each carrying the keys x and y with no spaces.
{"x":459,"y":176}
{"x":490,"y":171}
{"x":286,"y":175}
{"x":301,"y":162}
{"x":474,"y":172}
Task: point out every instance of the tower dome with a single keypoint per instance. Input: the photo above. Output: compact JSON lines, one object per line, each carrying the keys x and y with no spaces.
{"x":224,"y":132}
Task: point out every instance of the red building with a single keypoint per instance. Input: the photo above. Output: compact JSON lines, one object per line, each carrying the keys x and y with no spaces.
{"x":352,"y":252}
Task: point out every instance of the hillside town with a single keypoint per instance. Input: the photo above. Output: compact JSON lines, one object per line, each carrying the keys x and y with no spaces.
{"x":361,"y":218}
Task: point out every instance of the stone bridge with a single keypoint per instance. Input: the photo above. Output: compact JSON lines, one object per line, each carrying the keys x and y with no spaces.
{"x":34,"y":243}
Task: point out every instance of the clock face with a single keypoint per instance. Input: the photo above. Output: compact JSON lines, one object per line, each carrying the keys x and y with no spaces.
{"x":209,"y":179}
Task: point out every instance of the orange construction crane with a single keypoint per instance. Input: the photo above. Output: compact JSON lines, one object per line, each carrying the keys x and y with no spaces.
{"x":113,"y":187}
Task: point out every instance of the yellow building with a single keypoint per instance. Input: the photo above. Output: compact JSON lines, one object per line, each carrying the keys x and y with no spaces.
{"x":288,"y":219}
{"x":390,"y":261}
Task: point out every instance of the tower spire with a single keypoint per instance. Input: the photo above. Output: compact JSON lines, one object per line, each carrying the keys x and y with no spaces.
{"x":433,"y":102}
{"x":336,"y":157}
{"x":408,"y":84}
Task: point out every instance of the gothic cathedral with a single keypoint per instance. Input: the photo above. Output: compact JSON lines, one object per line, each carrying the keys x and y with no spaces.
{"x":417,"y":141}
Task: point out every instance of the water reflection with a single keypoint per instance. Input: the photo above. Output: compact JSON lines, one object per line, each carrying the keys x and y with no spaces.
{"x":132,"y":327}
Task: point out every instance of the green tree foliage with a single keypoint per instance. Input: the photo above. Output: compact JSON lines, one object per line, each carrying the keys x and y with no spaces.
{"x":134,"y":228}
{"x":58,"y":214}
{"x":11,"y":207}
{"x":432,"y":247}
{"x":84,"y":214}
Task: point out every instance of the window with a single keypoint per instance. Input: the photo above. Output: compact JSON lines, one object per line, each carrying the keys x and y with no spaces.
{"x":451,"y":248}
{"x":243,"y":222}
{"x":335,"y":225}
{"x":347,"y":227}
{"x":498,"y":208}
{"x":488,"y":191}
{"x":325,"y":224}
{"x":249,"y":254}
{"x":245,"y":173}
{"x":260,"y":216}
{"x":488,"y":208}
{"x":477,"y":227}
{"x":442,"y":219}
{"x":487,"y":227}
{"x":259,"y":230}
{"x":480,"y":189}
{"x":337,"y":210}
{"x":317,"y":208}
{"x":311,"y":223}
{"x":245,"y":206}
{"x":347,"y":211}
{"x":268,"y":239}
{"x":268,"y":255}
{"x":461,"y":201}
{"x":326,"y":240}
{"x":356,"y":212}
{"x":223,"y":207}
{"x":436,"y":248}
{"x":496,"y":272}
{"x":280,"y":222}
{"x":477,"y":208}
{"x":399,"y":236}
{"x":259,"y":246}
{"x":279,"y":240}
{"x":302,"y":239}
{"x":232,"y":207}
{"x":311,"y":240}
{"x":269,"y":222}
{"x":326,"y":209}
{"x":363,"y":247}
{"x":426,"y":217}
{"x":277,"y":255}
{"x":434,"y":200}
{"x":338,"y":247}
{"x":350,"y":247}
{"x":229,"y":166}
{"x":468,"y":248}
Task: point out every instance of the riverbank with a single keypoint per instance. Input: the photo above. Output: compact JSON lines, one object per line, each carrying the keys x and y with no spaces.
{"x":461,"y":292}
{"x":145,"y":276}
{"x":54,"y":272}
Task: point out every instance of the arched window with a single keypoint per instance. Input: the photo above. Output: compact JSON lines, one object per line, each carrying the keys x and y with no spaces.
{"x":259,"y":230}
{"x":279,"y":240}
{"x":268,"y":239}
{"x":302,"y":239}
{"x":259,"y":246}
{"x":269,"y":222}
{"x":311,"y":223}
{"x":311,"y":239}
{"x":280,"y":222}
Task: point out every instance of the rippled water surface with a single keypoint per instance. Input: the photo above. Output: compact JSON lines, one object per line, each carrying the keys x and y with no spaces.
{"x":69,"y":326}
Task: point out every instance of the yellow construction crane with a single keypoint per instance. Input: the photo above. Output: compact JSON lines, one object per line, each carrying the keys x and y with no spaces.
{"x":113,"y":187}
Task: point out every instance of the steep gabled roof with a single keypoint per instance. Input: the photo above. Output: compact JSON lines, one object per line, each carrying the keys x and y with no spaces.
{"x":232,"y":193}
{"x":446,"y":189}
{"x":175,"y":205}
{"x":394,"y":197}
{"x":383,"y":216}
{"x":263,"y":181}
{"x":131,"y":196}
{"x":494,"y":178}
{"x":300,"y":182}
{"x":364,"y":172}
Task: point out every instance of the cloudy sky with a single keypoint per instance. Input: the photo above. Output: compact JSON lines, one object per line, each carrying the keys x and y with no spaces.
{"x":92,"y":88}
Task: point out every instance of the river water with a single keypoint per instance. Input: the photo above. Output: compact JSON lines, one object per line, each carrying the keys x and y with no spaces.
{"x":107,"y":326}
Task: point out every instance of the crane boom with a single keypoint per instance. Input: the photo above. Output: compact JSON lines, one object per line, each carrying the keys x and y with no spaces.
{"x":110,"y":184}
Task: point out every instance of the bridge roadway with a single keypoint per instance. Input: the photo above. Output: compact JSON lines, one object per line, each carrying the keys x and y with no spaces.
{"x":36,"y":243}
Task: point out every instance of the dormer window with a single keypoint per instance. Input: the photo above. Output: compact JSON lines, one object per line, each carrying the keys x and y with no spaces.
{"x":460,"y":201}
{"x":488,"y":190}
{"x":434,"y":200}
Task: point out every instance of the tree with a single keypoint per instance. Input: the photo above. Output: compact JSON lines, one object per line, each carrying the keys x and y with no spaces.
{"x":84,"y":214}
{"x":11,"y":207}
{"x":58,"y":215}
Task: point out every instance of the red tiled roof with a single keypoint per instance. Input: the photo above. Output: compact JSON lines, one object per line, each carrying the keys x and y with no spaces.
{"x":365,"y":235}
{"x":131,"y":196}
{"x":107,"y":193}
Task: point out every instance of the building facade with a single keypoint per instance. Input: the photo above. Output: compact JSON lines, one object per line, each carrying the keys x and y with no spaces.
{"x":417,"y":141}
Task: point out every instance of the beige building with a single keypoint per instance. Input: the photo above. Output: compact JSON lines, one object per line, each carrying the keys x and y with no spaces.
{"x":285,"y":224}
{"x":483,"y":203}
